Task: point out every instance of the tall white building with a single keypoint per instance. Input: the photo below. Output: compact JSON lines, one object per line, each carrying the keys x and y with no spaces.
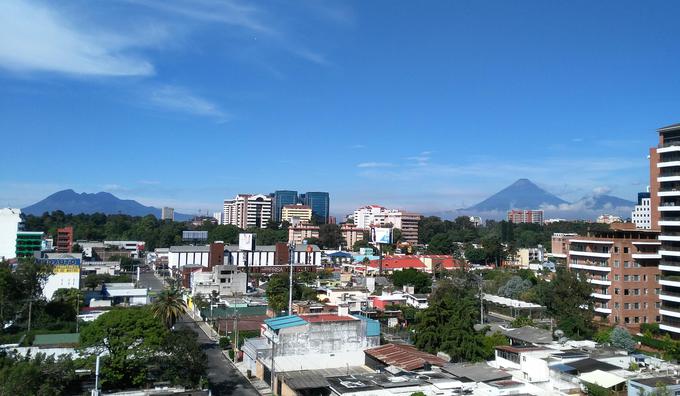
{"x":378,"y":216}
{"x":167,"y":213}
{"x":10,"y":219}
{"x":248,"y":211}
{"x":642,"y":213}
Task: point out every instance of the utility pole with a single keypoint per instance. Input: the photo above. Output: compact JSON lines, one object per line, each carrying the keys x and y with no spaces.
{"x":30,"y":306}
{"x":291,"y":254}
{"x":235,"y":333}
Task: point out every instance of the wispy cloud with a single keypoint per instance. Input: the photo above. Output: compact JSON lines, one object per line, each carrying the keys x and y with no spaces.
{"x":249,"y":18}
{"x":37,"y":38}
{"x":180,"y":99}
{"x":375,"y":165}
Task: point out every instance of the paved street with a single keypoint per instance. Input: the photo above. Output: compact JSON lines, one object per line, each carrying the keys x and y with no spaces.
{"x":224,"y":378}
{"x":148,"y":279}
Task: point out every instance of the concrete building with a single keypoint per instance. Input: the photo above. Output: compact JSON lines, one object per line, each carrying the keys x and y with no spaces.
{"x":29,"y":242}
{"x":379,"y":216}
{"x":476,"y":221}
{"x":281,"y":199}
{"x":125,"y":293}
{"x":665,"y":215}
{"x":296,"y":214}
{"x":167,"y":213}
{"x":99,"y":267}
{"x":66,"y":272}
{"x":622,"y":264}
{"x":559,"y":244}
{"x":608,"y":219}
{"x":248,"y":211}
{"x":64,"y":240}
{"x":223,"y":279}
{"x":274,"y":258}
{"x":10,"y":219}
{"x":526,"y":256}
{"x":297,"y":234}
{"x":519,"y":216}
{"x":642,"y":212}
{"x":315,"y":341}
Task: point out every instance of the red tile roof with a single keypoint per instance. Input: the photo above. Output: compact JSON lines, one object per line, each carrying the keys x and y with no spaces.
{"x":391,"y":262}
{"x":405,"y":357}
{"x":313,"y":318}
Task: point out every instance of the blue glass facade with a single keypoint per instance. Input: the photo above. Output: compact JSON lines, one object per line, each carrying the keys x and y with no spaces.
{"x":320,"y":204}
{"x":281,"y":199}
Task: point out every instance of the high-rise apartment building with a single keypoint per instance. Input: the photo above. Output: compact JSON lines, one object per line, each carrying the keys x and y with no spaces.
{"x":167,"y":213}
{"x":518,"y":216}
{"x":248,"y":211}
{"x":296,"y":213}
{"x":320,"y":204}
{"x":622,"y":264}
{"x":378,"y":216}
{"x":665,"y":215}
{"x":642,"y":212}
{"x":64,"y":241}
{"x":281,"y":199}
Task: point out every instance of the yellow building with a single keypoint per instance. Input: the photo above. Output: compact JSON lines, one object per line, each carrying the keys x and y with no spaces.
{"x":302,"y":213}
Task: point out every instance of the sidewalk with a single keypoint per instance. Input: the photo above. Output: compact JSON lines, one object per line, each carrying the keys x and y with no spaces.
{"x":261,"y":386}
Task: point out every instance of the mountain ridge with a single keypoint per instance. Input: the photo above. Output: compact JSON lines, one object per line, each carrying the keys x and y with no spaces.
{"x":71,"y":202}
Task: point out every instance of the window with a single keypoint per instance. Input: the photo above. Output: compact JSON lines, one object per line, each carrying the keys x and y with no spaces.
{"x":636,"y":319}
{"x":625,"y":250}
{"x":646,"y":291}
{"x":626,"y":305}
{"x":626,"y":292}
{"x":636,"y":305}
{"x":616,"y":249}
{"x":657,"y":291}
{"x":616,"y":277}
{"x":657,"y":277}
{"x":616,"y":263}
{"x":626,"y":264}
{"x":636,"y":292}
{"x":644,"y":279}
{"x":626,"y":320}
{"x":657,"y":305}
{"x":617,"y":305}
{"x":626,"y":278}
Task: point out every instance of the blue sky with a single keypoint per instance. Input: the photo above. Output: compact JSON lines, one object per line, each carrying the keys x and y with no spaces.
{"x":420,"y":105}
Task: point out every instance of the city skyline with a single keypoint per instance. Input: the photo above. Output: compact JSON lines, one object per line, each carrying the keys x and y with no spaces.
{"x":168,"y":105}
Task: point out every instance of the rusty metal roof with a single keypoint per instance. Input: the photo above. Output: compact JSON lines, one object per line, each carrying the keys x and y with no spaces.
{"x":405,"y":357}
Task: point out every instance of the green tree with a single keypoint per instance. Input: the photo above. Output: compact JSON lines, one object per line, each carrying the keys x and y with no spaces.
{"x":169,"y":306}
{"x":184,"y":362}
{"x":514,"y":287}
{"x":91,"y":281}
{"x":40,"y":375}
{"x":412,"y":277}
{"x":330,"y":236}
{"x":475,"y":255}
{"x":133,"y":338}
{"x":621,"y":338}
{"x":440,"y":244}
{"x":564,"y":297}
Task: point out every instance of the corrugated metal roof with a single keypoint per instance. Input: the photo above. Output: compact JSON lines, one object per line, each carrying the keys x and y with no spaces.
{"x":404,"y":356}
{"x":285,"y":321}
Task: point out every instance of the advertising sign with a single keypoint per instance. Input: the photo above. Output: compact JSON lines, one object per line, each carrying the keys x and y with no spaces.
{"x":246,"y":242}
{"x":381,"y":235}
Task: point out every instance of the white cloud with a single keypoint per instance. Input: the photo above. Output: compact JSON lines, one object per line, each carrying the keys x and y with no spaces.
{"x":180,"y":99}
{"x":375,"y":165}
{"x":34,"y":37}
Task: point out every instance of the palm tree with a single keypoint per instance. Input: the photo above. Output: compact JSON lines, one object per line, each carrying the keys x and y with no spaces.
{"x":169,"y":306}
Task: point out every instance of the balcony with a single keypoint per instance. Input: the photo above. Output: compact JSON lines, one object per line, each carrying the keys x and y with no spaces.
{"x":646,"y":256}
{"x":594,"y":241}
{"x":670,"y":280}
{"x":669,"y":296}
{"x":670,"y":311}
{"x":601,"y":296}
{"x":603,"y":310}
{"x":589,"y":254}
{"x":602,"y":282}
{"x":670,"y":323}
{"x":594,"y":267}
{"x":668,"y":147}
{"x":669,"y":237}
{"x":670,"y":268}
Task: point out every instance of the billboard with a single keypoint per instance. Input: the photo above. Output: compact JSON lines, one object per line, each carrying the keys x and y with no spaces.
{"x":246,"y":241}
{"x":381,"y":235}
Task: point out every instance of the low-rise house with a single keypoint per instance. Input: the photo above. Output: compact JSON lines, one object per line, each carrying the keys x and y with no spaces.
{"x":647,"y":386}
{"x":316,"y":341}
{"x":125,"y":293}
{"x":100,"y":267}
